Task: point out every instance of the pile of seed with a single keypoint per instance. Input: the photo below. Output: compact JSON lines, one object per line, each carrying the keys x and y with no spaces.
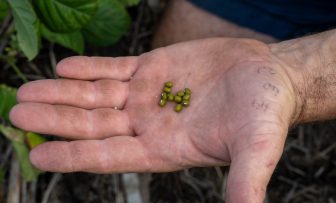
{"x":181,"y":98}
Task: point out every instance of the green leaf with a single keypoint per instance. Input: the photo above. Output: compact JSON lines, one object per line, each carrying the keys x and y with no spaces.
{"x":16,"y":136}
{"x":73,"y":40}
{"x":129,"y":2}
{"x":7,"y":100}
{"x":108,"y":25}
{"x":3,"y":10}
{"x":28,"y":171}
{"x":65,"y":15}
{"x":33,"y":139}
{"x":13,"y":134}
{"x":26,"y":25}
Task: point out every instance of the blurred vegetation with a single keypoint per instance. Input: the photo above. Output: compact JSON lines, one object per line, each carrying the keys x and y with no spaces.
{"x":71,"y":24}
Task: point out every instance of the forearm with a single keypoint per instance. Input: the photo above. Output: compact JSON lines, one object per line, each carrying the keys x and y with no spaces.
{"x":311,"y":65}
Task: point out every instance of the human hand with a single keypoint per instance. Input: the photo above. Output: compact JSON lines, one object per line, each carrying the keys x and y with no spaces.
{"x":242,"y":105}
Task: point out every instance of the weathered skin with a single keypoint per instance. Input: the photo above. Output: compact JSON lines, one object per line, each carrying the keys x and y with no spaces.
{"x":244,"y":100}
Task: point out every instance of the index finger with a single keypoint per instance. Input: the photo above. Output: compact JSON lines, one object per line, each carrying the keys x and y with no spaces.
{"x":95,"y":68}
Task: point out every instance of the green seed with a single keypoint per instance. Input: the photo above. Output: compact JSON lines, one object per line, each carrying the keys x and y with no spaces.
{"x":170,"y":97}
{"x":164,"y":96}
{"x":169,"y":84}
{"x":187,"y":91}
{"x":162,"y":102}
{"x":178,"y":107}
{"x":180,"y":93}
{"x":167,"y":89}
{"x":186,"y":97}
{"x":185,"y":103}
{"x":177,"y":99}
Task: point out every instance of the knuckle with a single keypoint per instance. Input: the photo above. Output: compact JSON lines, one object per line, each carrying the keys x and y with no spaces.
{"x":89,"y":93}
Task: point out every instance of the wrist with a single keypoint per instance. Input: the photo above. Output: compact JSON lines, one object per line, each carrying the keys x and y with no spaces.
{"x":311,"y":65}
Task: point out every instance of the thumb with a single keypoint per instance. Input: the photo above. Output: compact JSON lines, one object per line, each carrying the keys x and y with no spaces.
{"x":251,"y":170}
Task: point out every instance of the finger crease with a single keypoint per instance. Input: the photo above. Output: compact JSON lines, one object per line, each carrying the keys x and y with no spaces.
{"x":127,"y":90}
{"x":91,"y":126}
{"x":94,"y":99}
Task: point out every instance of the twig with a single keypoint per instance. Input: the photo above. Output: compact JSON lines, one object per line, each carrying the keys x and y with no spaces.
{"x":289,"y":196}
{"x":5,"y":24}
{"x":116,"y":182}
{"x":306,"y":190}
{"x":24,"y":195}
{"x":131,"y":184}
{"x":145,"y":179}
{"x":122,"y":188}
{"x":296,"y":170}
{"x":14,"y":183}
{"x":134,"y":42}
{"x":301,"y":135}
{"x":189,"y":181}
{"x":3,"y":44}
{"x":35,"y":69}
{"x":224,"y":183}
{"x":287,"y":180}
{"x":6,"y":155}
{"x":56,"y":177}
{"x":52,"y":58}
{"x":17,"y":70}
{"x":326,"y":151}
{"x":34,"y":77}
{"x":219,"y":173}
{"x":319,"y":172}
{"x":32,"y":192}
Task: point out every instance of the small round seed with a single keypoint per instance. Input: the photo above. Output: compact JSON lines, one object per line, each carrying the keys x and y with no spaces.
{"x":167,"y":89}
{"x":162,"y":102}
{"x":177,"y":99}
{"x":164,"y":95}
{"x":170,"y":97}
{"x":180,"y":93}
{"x":185,"y":103}
{"x":169,"y":84}
{"x":178,"y":107}
{"x":186,"y":97}
{"x":187,"y":91}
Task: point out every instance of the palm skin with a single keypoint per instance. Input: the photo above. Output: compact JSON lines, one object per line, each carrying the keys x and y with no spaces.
{"x":242,"y":104}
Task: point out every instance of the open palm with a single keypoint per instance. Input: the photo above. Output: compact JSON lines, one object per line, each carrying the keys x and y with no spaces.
{"x":242,"y":103}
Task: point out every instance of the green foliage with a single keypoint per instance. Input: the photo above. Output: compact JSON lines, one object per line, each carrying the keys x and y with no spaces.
{"x":110,"y":14}
{"x":7,"y":100}
{"x":73,"y":40}
{"x":21,"y":141}
{"x":26,"y":25}
{"x":33,"y":139}
{"x":129,"y":2}
{"x":17,"y":138}
{"x":3,"y":10}
{"x":66,"y":15}
{"x":102,"y":22}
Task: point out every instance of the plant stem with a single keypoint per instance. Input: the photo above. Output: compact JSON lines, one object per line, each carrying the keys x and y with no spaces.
{"x":17,"y":71}
{"x":52,"y":58}
{"x":5,"y":24}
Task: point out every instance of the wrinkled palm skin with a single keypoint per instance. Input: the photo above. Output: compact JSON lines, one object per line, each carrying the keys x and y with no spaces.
{"x":241,"y":106}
